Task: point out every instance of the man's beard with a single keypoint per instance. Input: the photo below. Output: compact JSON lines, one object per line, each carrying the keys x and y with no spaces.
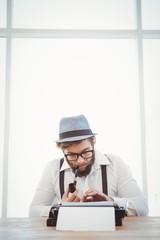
{"x":86,"y":171}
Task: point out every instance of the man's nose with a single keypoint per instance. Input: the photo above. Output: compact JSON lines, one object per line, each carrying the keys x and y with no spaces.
{"x":80,"y":159}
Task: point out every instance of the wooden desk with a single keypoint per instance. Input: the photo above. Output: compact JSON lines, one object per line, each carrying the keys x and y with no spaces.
{"x":135,"y":228}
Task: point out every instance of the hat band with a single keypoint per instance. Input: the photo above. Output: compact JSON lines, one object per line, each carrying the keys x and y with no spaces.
{"x":75,"y":133}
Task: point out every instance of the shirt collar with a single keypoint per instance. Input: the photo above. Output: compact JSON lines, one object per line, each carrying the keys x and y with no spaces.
{"x":100,"y":159}
{"x":65,"y":165}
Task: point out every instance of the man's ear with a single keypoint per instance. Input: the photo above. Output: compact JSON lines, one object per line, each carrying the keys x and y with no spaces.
{"x":94,"y":140}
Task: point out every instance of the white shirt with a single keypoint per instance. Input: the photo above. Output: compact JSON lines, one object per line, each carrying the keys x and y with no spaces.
{"x":122,"y":187}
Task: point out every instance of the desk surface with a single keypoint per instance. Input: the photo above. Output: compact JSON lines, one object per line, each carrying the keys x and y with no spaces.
{"x":138,"y":228}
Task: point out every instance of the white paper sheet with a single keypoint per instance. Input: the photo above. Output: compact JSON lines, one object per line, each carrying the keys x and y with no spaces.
{"x":94,"y":216}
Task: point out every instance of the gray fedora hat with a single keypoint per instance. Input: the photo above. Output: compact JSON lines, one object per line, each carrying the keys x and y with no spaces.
{"x":74,"y":128}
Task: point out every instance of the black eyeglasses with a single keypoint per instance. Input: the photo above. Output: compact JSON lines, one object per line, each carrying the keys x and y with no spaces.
{"x":75,"y":156}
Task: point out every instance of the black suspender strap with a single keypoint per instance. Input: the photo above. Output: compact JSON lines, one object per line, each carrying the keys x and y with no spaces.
{"x":104,"y":179}
{"x":61,"y":178}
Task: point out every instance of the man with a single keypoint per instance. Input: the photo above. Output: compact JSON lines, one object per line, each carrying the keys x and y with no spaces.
{"x":77,"y":141}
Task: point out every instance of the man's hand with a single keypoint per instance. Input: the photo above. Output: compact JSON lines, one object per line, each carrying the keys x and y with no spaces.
{"x":93,"y":195}
{"x":70,"y":197}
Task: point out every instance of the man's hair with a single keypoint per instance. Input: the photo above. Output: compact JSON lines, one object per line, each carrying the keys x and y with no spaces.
{"x":64,"y":145}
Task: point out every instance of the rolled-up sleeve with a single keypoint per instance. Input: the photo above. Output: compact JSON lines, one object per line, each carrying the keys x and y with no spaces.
{"x":127,"y":192}
{"x":44,"y":194}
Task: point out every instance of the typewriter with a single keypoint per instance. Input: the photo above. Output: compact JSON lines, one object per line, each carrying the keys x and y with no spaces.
{"x":120,"y":213}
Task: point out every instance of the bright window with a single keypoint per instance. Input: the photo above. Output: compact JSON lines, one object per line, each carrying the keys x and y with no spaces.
{"x":150,"y":14}
{"x":152,"y":90}
{"x":74,"y":14}
{"x":2,"y":101}
{"x":58,"y":63}
{"x":2,"y":13}
{"x":57,"y":77}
